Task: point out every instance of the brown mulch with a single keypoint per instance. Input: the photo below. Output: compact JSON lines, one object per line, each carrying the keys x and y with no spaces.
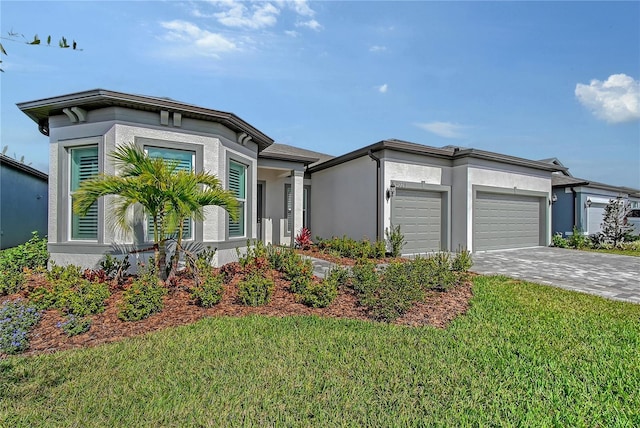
{"x":439,"y":309}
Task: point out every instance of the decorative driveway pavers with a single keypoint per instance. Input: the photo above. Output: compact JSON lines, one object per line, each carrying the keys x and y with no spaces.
{"x":607,"y":275}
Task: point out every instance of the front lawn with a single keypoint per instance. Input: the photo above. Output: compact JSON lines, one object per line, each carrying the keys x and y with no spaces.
{"x":524,"y":355}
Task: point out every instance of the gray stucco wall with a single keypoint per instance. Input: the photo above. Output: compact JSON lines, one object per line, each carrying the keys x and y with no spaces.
{"x":343,"y":200}
{"x":23,"y":206}
{"x":213,"y":144}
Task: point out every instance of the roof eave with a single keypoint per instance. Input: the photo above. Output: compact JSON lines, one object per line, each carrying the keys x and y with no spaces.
{"x":41,"y":109}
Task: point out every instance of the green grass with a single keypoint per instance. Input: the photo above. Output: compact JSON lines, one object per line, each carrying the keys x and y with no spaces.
{"x":635,"y":253}
{"x":524,"y":355}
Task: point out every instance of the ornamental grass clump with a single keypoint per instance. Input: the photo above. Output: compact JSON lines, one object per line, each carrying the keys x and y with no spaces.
{"x":17,"y":318}
{"x":144,"y":298}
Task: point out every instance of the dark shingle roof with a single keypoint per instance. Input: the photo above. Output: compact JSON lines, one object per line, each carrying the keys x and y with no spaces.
{"x":22,"y":167}
{"x":287,"y":152}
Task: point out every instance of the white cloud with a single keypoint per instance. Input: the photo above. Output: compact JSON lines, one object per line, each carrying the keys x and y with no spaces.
{"x":376,"y":48}
{"x":291,"y":33}
{"x":238,"y":15}
{"x":301,"y":7}
{"x":443,"y":129}
{"x":312,"y":24}
{"x":382,"y":88}
{"x":615,"y":100}
{"x":194,"y":40}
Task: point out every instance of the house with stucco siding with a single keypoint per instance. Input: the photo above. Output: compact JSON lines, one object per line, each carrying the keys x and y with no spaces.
{"x":442,"y":198}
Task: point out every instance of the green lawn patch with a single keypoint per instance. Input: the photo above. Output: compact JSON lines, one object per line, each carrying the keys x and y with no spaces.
{"x":524,"y":355}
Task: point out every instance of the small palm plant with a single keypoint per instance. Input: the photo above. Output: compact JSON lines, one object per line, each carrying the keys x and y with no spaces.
{"x":166,"y":194}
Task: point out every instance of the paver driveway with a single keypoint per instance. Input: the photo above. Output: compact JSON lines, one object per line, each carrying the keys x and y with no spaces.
{"x":607,"y":275}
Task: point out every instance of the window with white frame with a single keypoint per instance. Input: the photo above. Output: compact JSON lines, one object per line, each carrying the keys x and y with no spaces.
{"x":184,"y":161}
{"x":84,"y":165}
{"x":289,"y":206}
{"x":238,"y":185}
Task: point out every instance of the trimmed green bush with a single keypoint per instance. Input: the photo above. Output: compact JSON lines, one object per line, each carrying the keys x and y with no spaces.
{"x":559,"y":241}
{"x":11,"y":281}
{"x":298,"y":271}
{"x":209,"y":290}
{"x":364,"y":278}
{"x":32,"y":255}
{"x":322,"y":294}
{"x":255,"y":290}
{"x":144,"y":298}
{"x":70,"y":292}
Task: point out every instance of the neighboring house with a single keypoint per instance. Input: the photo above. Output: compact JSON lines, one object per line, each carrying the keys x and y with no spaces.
{"x":580,"y":203}
{"x":443,"y":198}
{"x":23,"y":202}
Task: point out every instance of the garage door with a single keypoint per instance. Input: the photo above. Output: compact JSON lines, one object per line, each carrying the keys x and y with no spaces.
{"x":505,"y":221}
{"x":595,"y":216}
{"x":419,"y":214}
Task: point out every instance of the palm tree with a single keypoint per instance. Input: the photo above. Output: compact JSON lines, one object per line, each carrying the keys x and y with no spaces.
{"x":166,"y":194}
{"x":189,"y":193}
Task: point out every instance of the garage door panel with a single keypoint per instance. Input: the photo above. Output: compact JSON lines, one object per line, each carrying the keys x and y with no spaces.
{"x":506,"y":221}
{"x":419,"y":215}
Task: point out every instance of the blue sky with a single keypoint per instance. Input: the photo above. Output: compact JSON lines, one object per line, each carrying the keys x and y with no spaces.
{"x":528,"y":79}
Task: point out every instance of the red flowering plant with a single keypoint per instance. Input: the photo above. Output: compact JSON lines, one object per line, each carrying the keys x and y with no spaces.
{"x":303,"y":240}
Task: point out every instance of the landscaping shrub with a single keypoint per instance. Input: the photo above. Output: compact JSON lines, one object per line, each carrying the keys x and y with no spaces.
{"x":144,"y":298}
{"x":230,"y":270}
{"x":350,"y":248}
{"x":32,"y":255}
{"x":16,"y":320}
{"x":396,"y":240}
{"x":559,"y":241}
{"x":70,"y":292}
{"x":208,"y":291}
{"x":577,"y":239}
{"x":614,"y":222}
{"x":298,"y":271}
{"x":396,"y":294}
{"x":303,"y":240}
{"x":113,"y":266}
{"x":441,"y":275}
{"x":75,"y":325}
{"x":277,"y":256}
{"x":462,"y":261}
{"x":255,"y":290}
{"x":322,"y":294}
{"x":364,"y":279}
{"x":255,"y":259}
{"x":11,"y":281}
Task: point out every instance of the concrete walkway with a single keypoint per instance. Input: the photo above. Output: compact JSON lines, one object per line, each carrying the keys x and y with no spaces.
{"x":607,"y":275}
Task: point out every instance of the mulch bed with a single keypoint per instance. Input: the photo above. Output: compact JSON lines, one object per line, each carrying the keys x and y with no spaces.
{"x":438,"y":310}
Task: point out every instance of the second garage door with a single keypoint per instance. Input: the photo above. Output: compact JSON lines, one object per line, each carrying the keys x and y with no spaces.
{"x":503,"y":221}
{"x":419,"y":214}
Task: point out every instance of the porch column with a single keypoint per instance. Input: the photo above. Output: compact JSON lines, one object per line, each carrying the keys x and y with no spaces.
{"x":297,"y":189}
